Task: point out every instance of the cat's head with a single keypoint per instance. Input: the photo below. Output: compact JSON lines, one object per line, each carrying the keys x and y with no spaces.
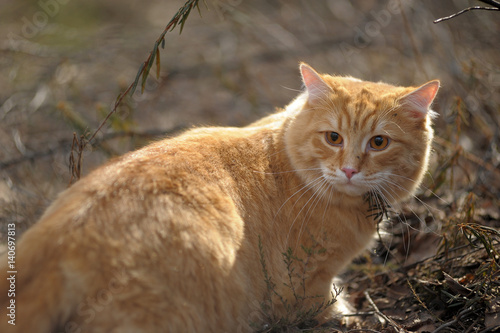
{"x":350,"y":137}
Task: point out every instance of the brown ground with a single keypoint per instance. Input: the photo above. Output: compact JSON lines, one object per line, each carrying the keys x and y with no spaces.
{"x":63,"y":63}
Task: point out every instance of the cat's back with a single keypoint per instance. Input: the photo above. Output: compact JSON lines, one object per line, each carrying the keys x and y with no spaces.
{"x":200,"y":154}
{"x":197,"y":173}
{"x":153,"y":215}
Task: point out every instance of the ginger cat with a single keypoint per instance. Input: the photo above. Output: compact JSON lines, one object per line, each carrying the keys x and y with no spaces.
{"x":188,"y":234}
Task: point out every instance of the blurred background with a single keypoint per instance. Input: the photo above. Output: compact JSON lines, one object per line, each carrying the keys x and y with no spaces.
{"x":64,"y":62}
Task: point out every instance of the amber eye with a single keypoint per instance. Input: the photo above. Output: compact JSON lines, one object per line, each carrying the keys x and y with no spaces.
{"x":334,"y":138}
{"x":379,"y":142}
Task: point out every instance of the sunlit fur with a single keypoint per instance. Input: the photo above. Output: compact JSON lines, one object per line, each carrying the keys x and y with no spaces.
{"x":166,"y":238}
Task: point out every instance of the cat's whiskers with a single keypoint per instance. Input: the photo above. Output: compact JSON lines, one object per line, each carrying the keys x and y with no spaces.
{"x":393,"y":183}
{"x":324,"y":96}
{"x":380,"y":206}
{"x":307,"y":186}
{"x":318,"y":196}
{"x":380,"y":201}
{"x":330,"y":108}
{"x":328,"y":201}
{"x":389,"y":191}
{"x":378,"y":190}
{"x":325,"y":99}
{"x":386,"y":113}
{"x":385,"y":116}
{"x":425,"y":188}
{"x":293,"y":89}
{"x":403,"y":224}
{"x":289,"y":171}
{"x":318,"y":183}
{"x":277,"y":152}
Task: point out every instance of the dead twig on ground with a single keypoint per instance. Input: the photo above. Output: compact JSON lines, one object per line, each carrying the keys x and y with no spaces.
{"x":382,"y":315}
{"x":422,"y":303}
{"x":454,"y":321}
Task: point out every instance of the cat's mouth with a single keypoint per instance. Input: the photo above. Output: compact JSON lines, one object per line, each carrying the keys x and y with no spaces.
{"x":352,"y":187}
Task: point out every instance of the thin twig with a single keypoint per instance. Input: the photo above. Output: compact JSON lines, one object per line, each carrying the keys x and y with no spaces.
{"x":181,"y":16}
{"x":493,"y":3}
{"x":454,"y":321}
{"x":465,"y":11}
{"x":63,"y":144}
{"x":378,"y":312}
{"x":468,"y":155}
{"x":473,"y":325}
{"x":359,"y":314}
{"x":421,"y":302}
{"x":77,"y":147}
{"x":178,"y":19}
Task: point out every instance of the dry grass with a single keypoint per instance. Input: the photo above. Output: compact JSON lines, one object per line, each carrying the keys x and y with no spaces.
{"x":439,"y":268}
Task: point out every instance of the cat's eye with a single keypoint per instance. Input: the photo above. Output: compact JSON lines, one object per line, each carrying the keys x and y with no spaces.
{"x":334,"y":138}
{"x":379,"y":142}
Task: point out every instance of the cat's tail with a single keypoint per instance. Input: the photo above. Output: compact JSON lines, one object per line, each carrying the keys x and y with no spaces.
{"x":32,"y":284}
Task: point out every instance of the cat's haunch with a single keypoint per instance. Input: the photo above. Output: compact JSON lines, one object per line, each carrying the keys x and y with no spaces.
{"x":225,"y":229}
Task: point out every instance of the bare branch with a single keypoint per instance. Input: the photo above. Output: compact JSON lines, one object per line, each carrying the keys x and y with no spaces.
{"x":494,"y":3}
{"x":179,"y":19}
{"x":75,"y":142}
{"x":382,"y":315}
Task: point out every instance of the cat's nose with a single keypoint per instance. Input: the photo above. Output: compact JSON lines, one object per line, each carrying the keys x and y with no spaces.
{"x":349,"y":172}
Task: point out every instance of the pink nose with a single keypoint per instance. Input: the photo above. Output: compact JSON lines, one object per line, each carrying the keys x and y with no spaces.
{"x":349,"y":172}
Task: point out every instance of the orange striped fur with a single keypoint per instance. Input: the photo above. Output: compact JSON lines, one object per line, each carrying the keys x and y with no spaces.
{"x":173,"y":237}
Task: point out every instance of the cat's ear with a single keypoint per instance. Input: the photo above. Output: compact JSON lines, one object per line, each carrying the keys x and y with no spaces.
{"x":419,"y":101}
{"x":317,"y":89}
